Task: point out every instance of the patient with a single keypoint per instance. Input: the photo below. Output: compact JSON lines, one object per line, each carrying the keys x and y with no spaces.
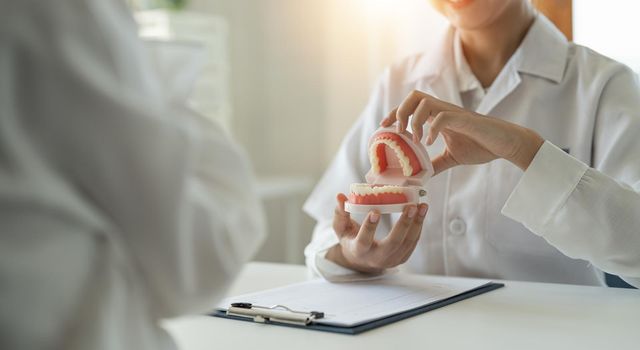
{"x":114,"y":210}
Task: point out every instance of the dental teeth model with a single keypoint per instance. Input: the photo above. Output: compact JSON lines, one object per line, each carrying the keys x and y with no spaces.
{"x":399,"y":169}
{"x":403,"y":152}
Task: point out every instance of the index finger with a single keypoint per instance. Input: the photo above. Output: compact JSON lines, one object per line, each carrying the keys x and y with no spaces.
{"x":407,"y":107}
{"x":390,"y":119}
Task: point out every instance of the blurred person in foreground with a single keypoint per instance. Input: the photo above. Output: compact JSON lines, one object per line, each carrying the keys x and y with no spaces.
{"x":118,"y":205}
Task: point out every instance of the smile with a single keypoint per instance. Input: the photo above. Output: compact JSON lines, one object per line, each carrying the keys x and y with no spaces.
{"x":459,"y":3}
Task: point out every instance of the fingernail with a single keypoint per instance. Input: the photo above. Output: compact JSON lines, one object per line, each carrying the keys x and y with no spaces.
{"x":412,"y":212}
{"x":423,"y":210}
{"x":374,"y":217}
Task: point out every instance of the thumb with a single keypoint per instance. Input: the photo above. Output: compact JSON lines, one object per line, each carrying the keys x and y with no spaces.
{"x":341,"y":218}
{"x":443,"y":162}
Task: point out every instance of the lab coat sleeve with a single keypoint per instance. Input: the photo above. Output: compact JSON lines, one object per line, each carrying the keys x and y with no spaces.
{"x":172,"y":191}
{"x":349,"y":166}
{"x":591,"y":213}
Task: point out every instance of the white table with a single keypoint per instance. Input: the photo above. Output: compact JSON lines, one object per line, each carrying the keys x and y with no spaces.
{"x":521,"y":315}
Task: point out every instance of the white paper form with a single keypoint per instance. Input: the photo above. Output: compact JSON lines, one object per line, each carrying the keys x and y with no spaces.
{"x":354,"y":303}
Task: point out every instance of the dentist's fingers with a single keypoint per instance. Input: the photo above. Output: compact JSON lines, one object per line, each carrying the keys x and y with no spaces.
{"x":430,"y":106}
{"x":437,"y":123}
{"x":407,"y":107}
{"x":446,"y":120}
{"x":366,"y":235}
{"x":400,"y":230}
{"x":443,"y":162}
{"x":422,"y":107}
{"x":390,"y":119}
{"x":411,"y":241}
{"x":341,"y":218}
{"x":420,"y":116}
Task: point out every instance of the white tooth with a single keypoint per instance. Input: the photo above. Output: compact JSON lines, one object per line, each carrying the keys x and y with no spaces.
{"x":401,"y":157}
{"x":373,"y":159}
{"x":358,"y":189}
{"x":367,"y":189}
{"x":407,"y":169}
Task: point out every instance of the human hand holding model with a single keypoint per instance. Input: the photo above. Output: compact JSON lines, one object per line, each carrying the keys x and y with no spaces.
{"x":470,"y":138}
{"x":359,"y":250}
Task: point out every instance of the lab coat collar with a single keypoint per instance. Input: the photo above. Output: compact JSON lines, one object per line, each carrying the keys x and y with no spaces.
{"x":543,"y":53}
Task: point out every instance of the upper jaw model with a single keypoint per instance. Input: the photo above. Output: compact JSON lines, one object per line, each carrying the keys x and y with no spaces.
{"x":399,"y":169}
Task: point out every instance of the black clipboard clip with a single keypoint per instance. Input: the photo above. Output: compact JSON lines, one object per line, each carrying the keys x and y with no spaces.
{"x":275,"y":313}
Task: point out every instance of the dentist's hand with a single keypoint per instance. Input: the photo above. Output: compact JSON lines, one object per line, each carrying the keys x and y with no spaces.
{"x":360,"y":251}
{"x":470,"y":138}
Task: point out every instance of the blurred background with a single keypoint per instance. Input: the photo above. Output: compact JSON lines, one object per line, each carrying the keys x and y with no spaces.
{"x":287,"y":78}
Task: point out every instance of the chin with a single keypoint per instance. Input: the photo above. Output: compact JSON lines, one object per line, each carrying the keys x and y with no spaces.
{"x":471,"y":14}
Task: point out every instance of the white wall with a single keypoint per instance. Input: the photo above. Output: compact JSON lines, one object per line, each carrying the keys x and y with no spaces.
{"x":363,"y":37}
{"x":302,"y":69}
{"x":276,"y":79}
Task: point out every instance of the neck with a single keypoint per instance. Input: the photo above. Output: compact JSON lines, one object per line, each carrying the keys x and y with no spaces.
{"x":488,"y":49}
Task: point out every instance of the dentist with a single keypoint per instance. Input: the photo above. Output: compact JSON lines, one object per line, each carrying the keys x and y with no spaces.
{"x":118,"y":206}
{"x":547,"y":131}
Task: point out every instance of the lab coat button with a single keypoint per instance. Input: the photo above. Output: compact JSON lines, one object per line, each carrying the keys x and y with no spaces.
{"x":457,"y":227}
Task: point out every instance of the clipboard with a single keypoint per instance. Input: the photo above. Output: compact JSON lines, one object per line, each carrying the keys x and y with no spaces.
{"x":282,"y":315}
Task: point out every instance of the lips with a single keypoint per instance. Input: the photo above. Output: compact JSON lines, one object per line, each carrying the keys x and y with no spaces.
{"x":457,"y":4}
{"x":403,"y":153}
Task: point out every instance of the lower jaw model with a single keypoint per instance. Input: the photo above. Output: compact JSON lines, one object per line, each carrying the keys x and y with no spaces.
{"x":399,"y":168}
{"x":377,"y":194}
{"x":384,"y":199}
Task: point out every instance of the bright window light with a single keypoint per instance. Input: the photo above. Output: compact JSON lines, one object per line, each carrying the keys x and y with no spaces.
{"x":610,"y":28}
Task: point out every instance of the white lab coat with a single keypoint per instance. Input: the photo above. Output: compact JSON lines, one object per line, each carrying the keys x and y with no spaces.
{"x":568,"y":218}
{"x":118,"y":206}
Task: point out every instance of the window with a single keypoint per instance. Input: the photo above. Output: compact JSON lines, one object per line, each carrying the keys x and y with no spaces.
{"x":610,"y":28}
